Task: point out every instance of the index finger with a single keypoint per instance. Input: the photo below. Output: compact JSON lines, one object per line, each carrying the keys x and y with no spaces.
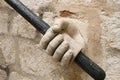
{"x":49,"y":35}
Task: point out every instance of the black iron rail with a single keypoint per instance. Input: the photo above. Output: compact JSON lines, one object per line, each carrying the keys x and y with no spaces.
{"x":82,"y":60}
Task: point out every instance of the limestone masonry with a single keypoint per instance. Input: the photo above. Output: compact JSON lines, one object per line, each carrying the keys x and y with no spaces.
{"x":22,"y":59}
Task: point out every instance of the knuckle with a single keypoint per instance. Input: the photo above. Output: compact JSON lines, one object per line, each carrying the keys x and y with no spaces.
{"x":57,"y":52}
{"x":49,"y":52}
{"x":51,"y":46}
{"x":60,"y":38}
{"x":49,"y":31}
{"x":65,"y":62}
{"x":55,"y":58}
{"x":66,"y":44}
{"x":55,"y":29}
{"x":42,"y":44}
{"x":45,"y":39}
{"x":70,"y":51}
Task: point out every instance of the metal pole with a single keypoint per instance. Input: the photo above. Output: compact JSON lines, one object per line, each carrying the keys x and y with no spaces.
{"x":82,"y":60}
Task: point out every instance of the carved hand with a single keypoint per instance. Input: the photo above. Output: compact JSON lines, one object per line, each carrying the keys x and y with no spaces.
{"x":64,"y":40}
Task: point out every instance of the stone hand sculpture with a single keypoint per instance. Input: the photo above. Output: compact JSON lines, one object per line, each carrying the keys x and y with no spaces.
{"x":68,"y":34}
{"x":64,"y":40}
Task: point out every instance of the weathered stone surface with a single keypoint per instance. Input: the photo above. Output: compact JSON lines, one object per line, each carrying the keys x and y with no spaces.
{"x":3,"y":21}
{"x":114,"y":1}
{"x":21,"y":27}
{"x":3,"y":75}
{"x":17,"y":76}
{"x":2,"y":60}
{"x":111,"y":27}
{"x":3,"y":3}
{"x":9,"y":47}
{"x":36,"y":4}
{"x":75,"y":1}
{"x":27,"y":61}
{"x":35,"y":61}
{"x":114,"y":30}
{"x":111,"y":44}
{"x":48,"y":17}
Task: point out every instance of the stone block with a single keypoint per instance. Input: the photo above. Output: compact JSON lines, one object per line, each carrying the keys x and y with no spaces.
{"x":17,"y":76}
{"x":35,"y":4}
{"x":117,"y":1}
{"x":48,"y":18}
{"x":114,"y":1}
{"x":3,"y":75}
{"x":74,"y":2}
{"x":34,"y":61}
{"x":21,"y":27}
{"x":3,"y":3}
{"x":111,"y":44}
{"x":112,"y":29}
{"x":3,"y":21}
{"x":9,"y":48}
{"x":2,"y":60}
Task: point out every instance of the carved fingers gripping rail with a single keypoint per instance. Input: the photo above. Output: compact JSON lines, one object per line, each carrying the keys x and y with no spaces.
{"x":83,"y":61}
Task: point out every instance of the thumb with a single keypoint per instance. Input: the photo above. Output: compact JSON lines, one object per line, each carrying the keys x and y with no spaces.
{"x":60,"y":25}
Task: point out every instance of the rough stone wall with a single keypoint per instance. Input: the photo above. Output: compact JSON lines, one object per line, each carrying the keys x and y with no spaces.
{"x":22,"y":59}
